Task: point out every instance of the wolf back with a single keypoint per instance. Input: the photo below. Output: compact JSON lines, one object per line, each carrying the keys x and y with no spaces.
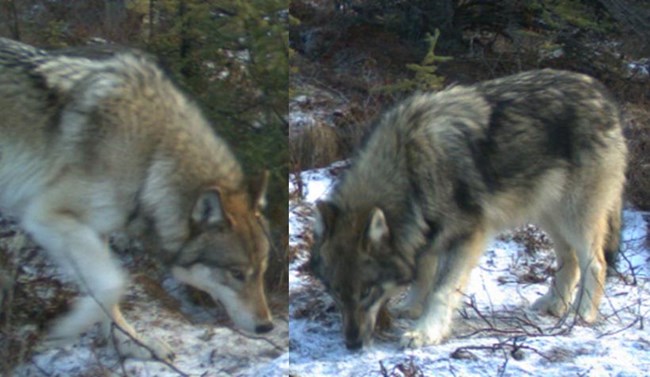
{"x":441,"y":172}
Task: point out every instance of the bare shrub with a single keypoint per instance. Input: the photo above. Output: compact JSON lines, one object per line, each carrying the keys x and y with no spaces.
{"x":638,"y":172}
{"x":407,"y":368}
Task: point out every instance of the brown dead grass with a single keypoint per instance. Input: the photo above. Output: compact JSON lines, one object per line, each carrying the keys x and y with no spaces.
{"x":314,"y":146}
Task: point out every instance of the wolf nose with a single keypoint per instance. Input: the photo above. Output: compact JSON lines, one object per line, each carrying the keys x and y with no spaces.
{"x":354,"y":345}
{"x":263,"y":328}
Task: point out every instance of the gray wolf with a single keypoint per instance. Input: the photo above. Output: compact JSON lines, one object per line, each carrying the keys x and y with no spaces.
{"x":442,"y":172}
{"x":91,"y":146}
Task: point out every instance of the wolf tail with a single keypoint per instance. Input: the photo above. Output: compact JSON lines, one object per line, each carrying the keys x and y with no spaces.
{"x":613,"y":239}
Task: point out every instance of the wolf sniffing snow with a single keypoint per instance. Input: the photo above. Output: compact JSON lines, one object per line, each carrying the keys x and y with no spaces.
{"x":442,"y":172}
{"x":92,"y":145}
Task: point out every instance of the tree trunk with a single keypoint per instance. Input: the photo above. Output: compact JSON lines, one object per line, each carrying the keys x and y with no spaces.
{"x":185,"y":45}
{"x":114,"y":17}
{"x":152,"y":4}
{"x":12,"y":18}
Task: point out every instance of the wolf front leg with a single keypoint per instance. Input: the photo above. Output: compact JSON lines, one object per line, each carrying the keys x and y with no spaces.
{"x":458,"y":255}
{"x":82,"y":254}
{"x":427,"y":271}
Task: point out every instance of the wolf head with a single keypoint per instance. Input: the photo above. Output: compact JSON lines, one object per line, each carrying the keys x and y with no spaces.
{"x":226,"y":255}
{"x":354,"y":259}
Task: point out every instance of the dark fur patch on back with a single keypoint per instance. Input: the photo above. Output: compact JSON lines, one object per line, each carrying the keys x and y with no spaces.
{"x":482,"y":147}
{"x":559,"y":134}
{"x":465,"y":198}
{"x":53,"y":100}
{"x":433,"y":231}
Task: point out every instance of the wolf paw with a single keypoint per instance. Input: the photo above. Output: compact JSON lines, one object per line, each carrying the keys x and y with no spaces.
{"x":144,"y":348}
{"x":586,"y":312}
{"x":417,"y":339}
{"x":550,"y":304}
{"x":425,"y":333}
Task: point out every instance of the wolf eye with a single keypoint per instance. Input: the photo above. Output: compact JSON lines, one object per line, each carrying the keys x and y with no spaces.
{"x":238,"y":275}
{"x":366,"y":292}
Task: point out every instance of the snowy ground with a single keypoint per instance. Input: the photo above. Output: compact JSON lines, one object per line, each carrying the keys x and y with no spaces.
{"x":494,"y":333}
{"x":205,"y":341}
{"x":201,"y":350}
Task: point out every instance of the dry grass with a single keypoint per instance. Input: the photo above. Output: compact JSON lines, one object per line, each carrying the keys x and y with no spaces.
{"x":314,"y":146}
{"x":325,"y":125}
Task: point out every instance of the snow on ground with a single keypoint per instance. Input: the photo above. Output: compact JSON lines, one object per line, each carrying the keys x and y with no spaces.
{"x":204,"y":340}
{"x":494,"y":333}
{"x":202,"y":349}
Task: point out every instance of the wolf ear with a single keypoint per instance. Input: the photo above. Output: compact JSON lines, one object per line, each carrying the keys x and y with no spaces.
{"x":325,"y":216}
{"x":208,"y":210}
{"x":377,"y":228}
{"x":257,"y":187}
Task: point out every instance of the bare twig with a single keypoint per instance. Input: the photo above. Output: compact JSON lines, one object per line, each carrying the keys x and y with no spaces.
{"x":256,"y":337}
{"x":512,"y":344}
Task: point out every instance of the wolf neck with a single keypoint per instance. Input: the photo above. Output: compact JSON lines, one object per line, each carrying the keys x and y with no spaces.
{"x":394,"y":170}
{"x":200,"y":158}
{"x":183,"y":168}
{"x":380,"y":178}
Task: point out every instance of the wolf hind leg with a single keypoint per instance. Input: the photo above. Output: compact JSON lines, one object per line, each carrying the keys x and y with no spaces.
{"x":453,"y":272}
{"x":558,"y":298}
{"x":593,"y":270}
{"x":613,"y":239}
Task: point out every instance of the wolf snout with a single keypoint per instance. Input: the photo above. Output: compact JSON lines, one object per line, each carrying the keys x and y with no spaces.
{"x":353,"y":345}
{"x":353,"y":339}
{"x":264,"y":328}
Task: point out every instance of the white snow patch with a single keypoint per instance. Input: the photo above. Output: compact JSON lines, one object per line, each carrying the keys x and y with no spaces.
{"x":203,"y":349}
